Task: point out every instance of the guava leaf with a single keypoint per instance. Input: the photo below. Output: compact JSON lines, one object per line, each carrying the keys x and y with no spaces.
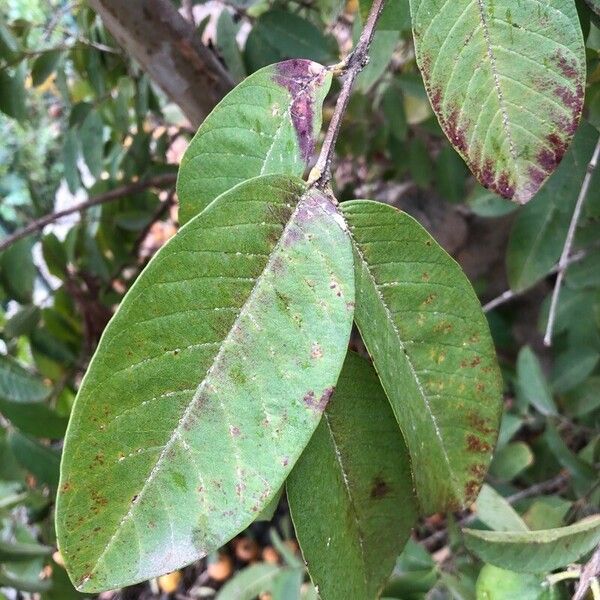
{"x":207,"y":384}
{"x":431,"y":346}
{"x":535,"y":551}
{"x":351,"y":493}
{"x":268,"y":124}
{"x":506,"y":80}
{"x":539,"y":232}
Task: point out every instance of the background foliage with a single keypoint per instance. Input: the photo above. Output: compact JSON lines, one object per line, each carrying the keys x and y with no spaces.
{"x":80,"y":119}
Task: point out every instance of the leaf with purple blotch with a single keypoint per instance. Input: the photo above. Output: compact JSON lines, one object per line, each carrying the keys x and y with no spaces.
{"x":506,"y":80}
{"x":268,"y":124}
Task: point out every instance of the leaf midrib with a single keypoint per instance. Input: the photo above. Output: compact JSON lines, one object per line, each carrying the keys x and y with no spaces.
{"x":359,"y":530}
{"x":188,"y":411}
{"x":411,"y":367}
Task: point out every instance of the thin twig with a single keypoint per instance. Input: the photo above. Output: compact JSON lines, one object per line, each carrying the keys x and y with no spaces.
{"x":158,"y":181}
{"x":321,"y":174}
{"x":509,"y":295}
{"x":590,"y":571}
{"x":563,"y":263}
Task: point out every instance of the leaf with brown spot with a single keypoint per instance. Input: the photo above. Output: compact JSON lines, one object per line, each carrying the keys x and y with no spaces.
{"x":351,"y":493}
{"x":507,"y":81}
{"x":200,"y":442}
{"x":432,"y":349}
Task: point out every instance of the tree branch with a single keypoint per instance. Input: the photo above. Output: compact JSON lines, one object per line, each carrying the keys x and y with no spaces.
{"x":168,"y":49}
{"x":591,"y":570}
{"x":563,"y":263}
{"x":131,"y":188}
{"x":320,"y":176}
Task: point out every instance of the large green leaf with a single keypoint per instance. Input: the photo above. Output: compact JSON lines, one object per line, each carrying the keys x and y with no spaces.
{"x":351,"y":493}
{"x":535,"y":551}
{"x":267,"y":124}
{"x":540,"y":229}
{"x":506,"y":80}
{"x":207,"y":384}
{"x":423,"y":326}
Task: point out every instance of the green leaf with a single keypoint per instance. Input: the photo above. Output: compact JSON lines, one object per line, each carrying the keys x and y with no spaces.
{"x":18,"y":385}
{"x":395,"y":15}
{"x":207,"y":384}
{"x":423,"y":326}
{"x":70,"y":155}
{"x":22,"y":322}
{"x":496,"y":512}
{"x":17,"y":271}
{"x":44,"y":66}
{"x":380,"y":54}
{"x":23,"y":583}
{"x":18,"y":551}
{"x":532,"y":384}
{"x":535,"y":551}
{"x":499,"y":584}
{"x":506,"y":80}
{"x":250,"y":582}
{"x":34,"y":418}
{"x":540,"y":229}
{"x":279,"y":35}
{"x":267,"y":124}
{"x":583,"y":473}
{"x":350,"y":495}
{"x":12,"y":92}
{"x":40,"y":460}
{"x":9,"y":44}
{"x":585,"y":398}
{"x":573,"y":367}
{"x":228,"y":47}
{"x":92,"y":142}
{"x":511,"y":460}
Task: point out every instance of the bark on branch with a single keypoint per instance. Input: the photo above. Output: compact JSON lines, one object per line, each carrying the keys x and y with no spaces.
{"x":169,"y":50}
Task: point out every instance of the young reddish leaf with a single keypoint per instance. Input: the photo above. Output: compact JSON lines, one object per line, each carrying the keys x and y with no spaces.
{"x":207,"y":384}
{"x":268,"y":124}
{"x":430,"y":342}
{"x":506,"y":80}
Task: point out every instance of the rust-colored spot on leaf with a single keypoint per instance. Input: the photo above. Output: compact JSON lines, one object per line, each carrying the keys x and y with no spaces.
{"x":471,"y":490}
{"x":479,"y":423}
{"x":475,"y":444}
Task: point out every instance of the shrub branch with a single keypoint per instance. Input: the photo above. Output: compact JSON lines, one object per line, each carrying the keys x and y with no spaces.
{"x":350,"y":68}
{"x":563,"y":263}
{"x":158,"y":181}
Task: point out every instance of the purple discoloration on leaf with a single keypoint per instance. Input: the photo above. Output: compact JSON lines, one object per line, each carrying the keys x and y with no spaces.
{"x":318,"y":404}
{"x":300,"y":77}
{"x":486,"y":122}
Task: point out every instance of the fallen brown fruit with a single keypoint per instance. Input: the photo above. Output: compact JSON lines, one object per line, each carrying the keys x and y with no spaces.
{"x":170,"y":582}
{"x":221,"y":569}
